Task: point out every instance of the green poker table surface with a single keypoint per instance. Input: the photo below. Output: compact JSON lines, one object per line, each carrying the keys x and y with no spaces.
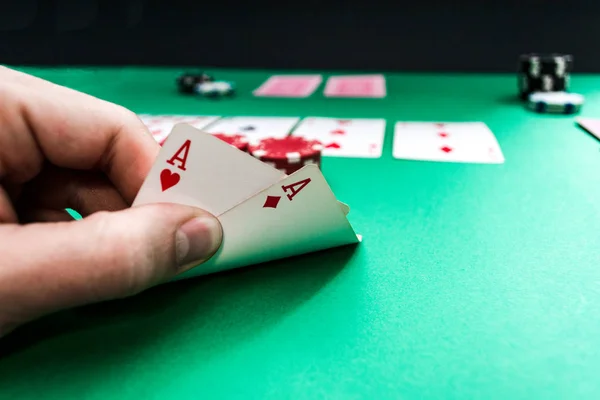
{"x":472,"y":281}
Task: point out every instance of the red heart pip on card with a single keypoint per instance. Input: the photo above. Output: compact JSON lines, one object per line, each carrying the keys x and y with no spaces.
{"x":168,"y":179}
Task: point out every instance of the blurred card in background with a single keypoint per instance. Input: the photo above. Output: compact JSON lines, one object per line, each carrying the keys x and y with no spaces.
{"x":289,"y":86}
{"x":356,"y":86}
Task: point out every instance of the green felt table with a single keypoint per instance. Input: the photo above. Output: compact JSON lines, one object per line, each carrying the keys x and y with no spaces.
{"x":472,"y":281}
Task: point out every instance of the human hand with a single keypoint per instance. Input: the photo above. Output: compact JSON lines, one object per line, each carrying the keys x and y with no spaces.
{"x":63,"y":149}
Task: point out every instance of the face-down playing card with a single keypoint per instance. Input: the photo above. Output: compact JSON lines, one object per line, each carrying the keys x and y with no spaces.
{"x":355,"y":86}
{"x":289,"y":86}
{"x":295,"y":216}
{"x":197,"y":169}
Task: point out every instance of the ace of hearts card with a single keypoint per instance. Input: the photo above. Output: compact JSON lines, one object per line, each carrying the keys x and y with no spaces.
{"x":199,"y":169}
{"x":265,"y":214}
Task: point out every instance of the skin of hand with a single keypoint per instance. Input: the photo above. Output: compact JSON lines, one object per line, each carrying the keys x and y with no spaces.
{"x":59,"y":149}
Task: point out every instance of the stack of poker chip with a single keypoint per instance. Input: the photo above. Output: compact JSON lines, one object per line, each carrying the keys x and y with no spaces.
{"x":188,"y":81}
{"x":215,"y":89}
{"x":555,"y":102}
{"x":543,"y":73}
{"x":544,"y":82}
{"x":287,"y":154}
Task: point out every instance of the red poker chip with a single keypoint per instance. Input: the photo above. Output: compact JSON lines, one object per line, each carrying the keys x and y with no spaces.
{"x":287,"y":154}
{"x":293,"y":149}
{"x":290,"y":168}
{"x":236,"y":140}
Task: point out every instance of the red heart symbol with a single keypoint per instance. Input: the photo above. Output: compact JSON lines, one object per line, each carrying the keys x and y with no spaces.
{"x":168,"y":179}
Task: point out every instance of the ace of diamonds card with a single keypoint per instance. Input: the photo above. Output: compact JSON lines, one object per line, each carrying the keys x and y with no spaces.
{"x":265,"y":214}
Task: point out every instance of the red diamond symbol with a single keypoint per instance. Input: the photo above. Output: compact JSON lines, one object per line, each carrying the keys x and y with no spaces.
{"x":443,"y":134}
{"x":338,"y":132}
{"x":446,"y":149}
{"x":333,"y":145}
{"x":271,"y":201}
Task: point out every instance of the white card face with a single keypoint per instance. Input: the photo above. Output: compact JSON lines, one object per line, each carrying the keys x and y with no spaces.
{"x":592,"y":125}
{"x":161,"y":125}
{"x":359,"y":137}
{"x":194,"y":168}
{"x":255,"y":128}
{"x":295,"y":216}
{"x":468,"y":142}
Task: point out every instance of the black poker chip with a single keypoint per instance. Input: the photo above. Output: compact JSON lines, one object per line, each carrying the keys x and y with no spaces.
{"x":538,"y":72}
{"x":187,"y":81}
{"x":555,"y":64}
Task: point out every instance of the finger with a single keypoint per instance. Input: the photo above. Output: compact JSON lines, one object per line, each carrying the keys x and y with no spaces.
{"x":48,"y":267}
{"x":71,"y":130}
{"x":7,"y":212}
{"x":57,"y":189}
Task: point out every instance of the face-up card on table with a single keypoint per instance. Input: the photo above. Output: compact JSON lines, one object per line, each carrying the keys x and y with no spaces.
{"x":295,"y":216}
{"x":467,"y":142}
{"x":161,"y":125}
{"x":592,"y":125}
{"x":372,"y":86}
{"x":255,"y":128}
{"x":197,"y":169}
{"x":289,"y":86}
{"x":358,"y":137}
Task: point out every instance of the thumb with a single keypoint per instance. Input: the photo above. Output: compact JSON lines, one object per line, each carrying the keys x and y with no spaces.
{"x":50,"y":266}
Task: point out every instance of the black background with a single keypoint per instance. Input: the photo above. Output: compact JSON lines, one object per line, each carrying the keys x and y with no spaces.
{"x":368,"y":35}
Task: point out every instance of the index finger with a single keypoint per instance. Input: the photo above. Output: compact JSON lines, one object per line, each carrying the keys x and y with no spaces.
{"x":43,"y":121}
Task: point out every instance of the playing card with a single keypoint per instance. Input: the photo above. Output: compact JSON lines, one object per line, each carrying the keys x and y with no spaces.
{"x":356,"y":86}
{"x":197,"y":169}
{"x":294,"y":216}
{"x":289,"y":86}
{"x":161,"y":125}
{"x":345,"y":208}
{"x":469,"y":142}
{"x":255,"y":128}
{"x":358,"y":137}
{"x":591,"y":125}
